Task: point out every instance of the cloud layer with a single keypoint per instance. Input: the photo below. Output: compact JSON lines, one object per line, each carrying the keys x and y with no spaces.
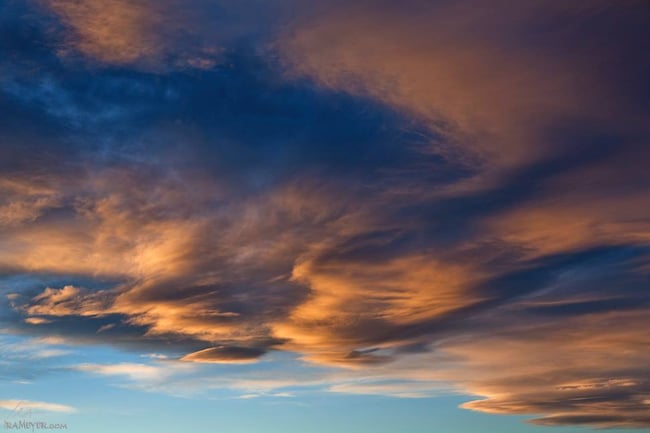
{"x":414,"y":195}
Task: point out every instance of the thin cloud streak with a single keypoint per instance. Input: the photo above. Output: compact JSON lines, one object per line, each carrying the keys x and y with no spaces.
{"x":13,"y":405}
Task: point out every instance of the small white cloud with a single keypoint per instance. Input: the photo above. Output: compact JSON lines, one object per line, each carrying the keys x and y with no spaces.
{"x":19,"y":405}
{"x":399,"y":390}
{"x":130,"y":370}
{"x":155,"y":356}
{"x":276,"y":394}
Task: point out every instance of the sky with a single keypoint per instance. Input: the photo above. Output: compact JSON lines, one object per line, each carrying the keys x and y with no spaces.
{"x":304,"y":216}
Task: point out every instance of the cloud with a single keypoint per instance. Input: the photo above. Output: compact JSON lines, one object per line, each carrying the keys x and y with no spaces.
{"x":145,"y":33}
{"x":37,"y":321}
{"x":401,"y":389}
{"x":31,"y":350}
{"x":351,"y":287}
{"x":105,"y":328}
{"x":574,"y":370}
{"x":60,"y":302}
{"x":460,"y":67}
{"x":132,"y":371}
{"x":16,"y":405}
{"x":160,"y":35}
{"x":23,"y":201}
{"x":278,"y":394}
{"x":356,"y":303}
{"x":432,"y":196}
{"x":224,"y":354}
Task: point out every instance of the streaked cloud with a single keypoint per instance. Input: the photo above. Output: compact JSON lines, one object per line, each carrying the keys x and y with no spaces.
{"x":222,"y":354}
{"x":401,"y":200}
{"x":14,"y":405}
{"x":143,"y":372}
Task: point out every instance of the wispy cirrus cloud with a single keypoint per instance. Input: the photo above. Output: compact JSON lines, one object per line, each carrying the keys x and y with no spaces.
{"x":133,"y":371}
{"x":14,"y":405}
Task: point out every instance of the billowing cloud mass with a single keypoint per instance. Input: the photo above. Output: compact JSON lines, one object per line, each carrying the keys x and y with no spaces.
{"x":419,"y":195}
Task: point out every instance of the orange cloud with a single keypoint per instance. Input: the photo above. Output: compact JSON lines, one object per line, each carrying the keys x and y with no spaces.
{"x":321,"y":276}
{"x":590,"y":206}
{"x":24,"y":201}
{"x":433,"y":63}
{"x":590,"y":370}
{"x":494,"y":285}
{"x":459,"y":67}
{"x":225,"y":355}
{"x":354,"y":304}
{"x":178,"y":269}
{"x":142,"y":32}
